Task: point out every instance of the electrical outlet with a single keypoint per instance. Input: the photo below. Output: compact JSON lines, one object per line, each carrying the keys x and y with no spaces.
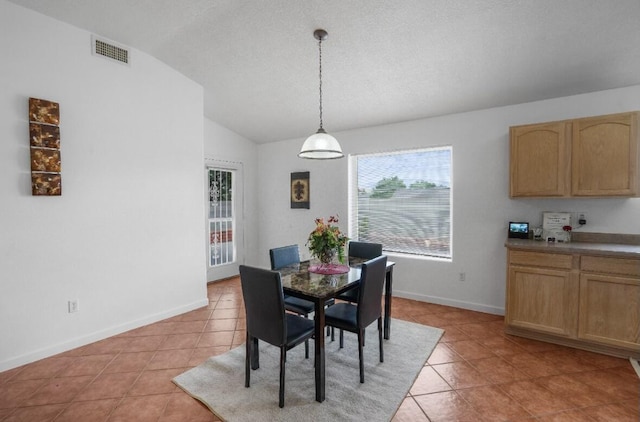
{"x":73,"y":306}
{"x":462,"y":277}
{"x":582,"y":218}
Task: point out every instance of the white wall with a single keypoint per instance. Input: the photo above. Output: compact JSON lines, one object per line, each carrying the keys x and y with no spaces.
{"x":481,"y":205}
{"x":227,"y":149}
{"x":125,"y":237}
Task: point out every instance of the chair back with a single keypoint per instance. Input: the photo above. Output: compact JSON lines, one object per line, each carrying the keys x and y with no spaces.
{"x":283,"y":256}
{"x":365,"y":250}
{"x":370,"y":291}
{"x":264,"y":303}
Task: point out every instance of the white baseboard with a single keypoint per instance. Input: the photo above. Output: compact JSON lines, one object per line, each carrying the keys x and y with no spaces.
{"x":472,"y":306}
{"x":98,"y":335}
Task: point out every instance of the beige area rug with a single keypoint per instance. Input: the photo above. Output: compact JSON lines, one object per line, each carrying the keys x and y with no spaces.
{"x":219,"y":382}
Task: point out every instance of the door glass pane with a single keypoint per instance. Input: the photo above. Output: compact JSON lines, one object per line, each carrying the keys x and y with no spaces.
{"x":221,"y":217}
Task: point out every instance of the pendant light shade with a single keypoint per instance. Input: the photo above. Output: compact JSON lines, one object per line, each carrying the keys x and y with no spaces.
{"x":321,"y":145}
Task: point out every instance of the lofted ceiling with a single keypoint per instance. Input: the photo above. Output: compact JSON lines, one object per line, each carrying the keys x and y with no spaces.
{"x":384,"y":61}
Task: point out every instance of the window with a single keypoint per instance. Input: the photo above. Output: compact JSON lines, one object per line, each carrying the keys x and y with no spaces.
{"x":403,"y":200}
{"x":221,"y":217}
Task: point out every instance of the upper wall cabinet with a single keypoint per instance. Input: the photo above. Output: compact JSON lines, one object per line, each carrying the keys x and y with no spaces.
{"x":589,"y":157}
{"x":540,"y":156}
{"x":605,"y":156}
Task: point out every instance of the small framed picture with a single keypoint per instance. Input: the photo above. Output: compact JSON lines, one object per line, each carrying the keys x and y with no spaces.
{"x":44,"y":136}
{"x":46,"y":184}
{"x":43,"y":111}
{"x":300,"y":190}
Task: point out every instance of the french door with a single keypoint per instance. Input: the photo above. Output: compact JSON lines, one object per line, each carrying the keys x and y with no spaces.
{"x":224,"y":236}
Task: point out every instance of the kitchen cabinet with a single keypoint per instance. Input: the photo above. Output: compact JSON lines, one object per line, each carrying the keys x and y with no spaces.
{"x":574,"y":297}
{"x":604,"y":158}
{"x":542,"y":293}
{"x":605,"y":284}
{"x":540,"y":155}
{"x":588,"y":157}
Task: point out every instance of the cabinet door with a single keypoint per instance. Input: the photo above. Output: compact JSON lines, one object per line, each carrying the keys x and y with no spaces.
{"x":605,"y":156}
{"x":539,"y":159}
{"x":610,"y":310}
{"x":541,"y":299}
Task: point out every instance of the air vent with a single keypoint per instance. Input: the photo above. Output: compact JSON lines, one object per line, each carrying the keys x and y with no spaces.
{"x":110,"y":50}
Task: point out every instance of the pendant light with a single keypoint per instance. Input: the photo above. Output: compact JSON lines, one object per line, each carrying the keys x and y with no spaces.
{"x":320,"y":145}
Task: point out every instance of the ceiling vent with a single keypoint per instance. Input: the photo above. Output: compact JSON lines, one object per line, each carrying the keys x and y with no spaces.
{"x":109,"y":50}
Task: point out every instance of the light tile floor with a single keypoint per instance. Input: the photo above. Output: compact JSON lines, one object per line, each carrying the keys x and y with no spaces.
{"x":476,"y":373}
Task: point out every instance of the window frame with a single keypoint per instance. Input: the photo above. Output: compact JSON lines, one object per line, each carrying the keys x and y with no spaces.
{"x":353,"y":201}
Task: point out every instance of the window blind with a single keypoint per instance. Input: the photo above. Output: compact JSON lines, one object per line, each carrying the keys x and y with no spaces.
{"x":402,"y":199}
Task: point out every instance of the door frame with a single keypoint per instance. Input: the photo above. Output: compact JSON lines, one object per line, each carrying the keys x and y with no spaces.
{"x":232,"y":269}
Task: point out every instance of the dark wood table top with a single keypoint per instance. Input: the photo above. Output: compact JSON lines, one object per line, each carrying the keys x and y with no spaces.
{"x":298,"y":278}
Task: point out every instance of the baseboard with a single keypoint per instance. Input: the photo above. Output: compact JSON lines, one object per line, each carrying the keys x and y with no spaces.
{"x":472,"y":306}
{"x":223,"y":279}
{"x":98,"y":335}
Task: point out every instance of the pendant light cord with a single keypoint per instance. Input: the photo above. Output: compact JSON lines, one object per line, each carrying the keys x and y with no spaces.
{"x":320,"y":145}
{"x":320,"y":74}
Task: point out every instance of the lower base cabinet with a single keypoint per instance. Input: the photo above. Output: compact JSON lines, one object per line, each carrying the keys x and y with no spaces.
{"x":602,"y":319}
{"x":583,"y":301}
{"x":542,"y":299}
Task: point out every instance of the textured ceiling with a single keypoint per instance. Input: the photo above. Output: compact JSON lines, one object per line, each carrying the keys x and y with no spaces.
{"x":384,"y":61}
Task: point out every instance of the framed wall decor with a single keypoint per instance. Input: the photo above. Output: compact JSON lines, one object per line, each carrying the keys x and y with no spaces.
{"x":48,"y":184}
{"x":300,"y":190}
{"x":44,"y":142}
{"x":44,"y":111}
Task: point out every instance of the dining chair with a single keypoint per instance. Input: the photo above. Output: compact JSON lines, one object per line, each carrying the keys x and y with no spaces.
{"x":282,"y":257}
{"x":268,"y":321}
{"x":363,"y":250}
{"x":356,"y":318}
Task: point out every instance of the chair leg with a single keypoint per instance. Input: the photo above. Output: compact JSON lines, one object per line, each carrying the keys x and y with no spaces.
{"x":380,"y":339}
{"x":283,"y":355}
{"x":333,"y":333}
{"x":360,"y":354}
{"x":247,"y":362}
{"x":255,"y":353}
{"x":306,"y":349}
{"x":341,"y":338}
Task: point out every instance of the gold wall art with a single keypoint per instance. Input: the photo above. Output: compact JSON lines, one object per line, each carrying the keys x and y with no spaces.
{"x":44,"y":136}
{"x":44,"y":142}
{"x":43,"y":111}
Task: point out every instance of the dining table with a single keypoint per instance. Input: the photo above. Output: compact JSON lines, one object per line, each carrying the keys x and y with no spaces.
{"x":299,"y":281}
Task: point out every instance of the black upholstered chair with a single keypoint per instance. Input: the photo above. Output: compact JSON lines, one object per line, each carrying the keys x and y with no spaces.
{"x":268,"y":321}
{"x":289,"y":255}
{"x":355,"y":318}
{"x":283,"y":256}
{"x":363,"y":250}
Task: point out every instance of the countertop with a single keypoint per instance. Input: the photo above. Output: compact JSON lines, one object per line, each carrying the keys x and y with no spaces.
{"x":605,"y":249}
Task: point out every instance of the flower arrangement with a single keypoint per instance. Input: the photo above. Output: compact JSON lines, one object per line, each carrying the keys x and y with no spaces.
{"x":327,"y":240}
